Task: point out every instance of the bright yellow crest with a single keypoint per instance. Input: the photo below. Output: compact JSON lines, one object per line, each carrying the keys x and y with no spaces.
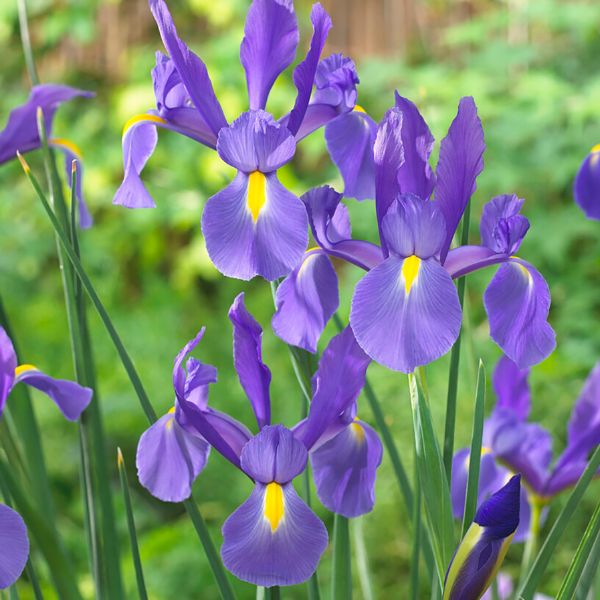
{"x":410,"y":271}
{"x":274,"y":505}
{"x":257,"y":193}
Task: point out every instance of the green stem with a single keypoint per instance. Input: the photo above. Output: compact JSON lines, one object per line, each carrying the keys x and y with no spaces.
{"x":272,"y":593}
{"x":533,"y":539}
{"x":342,"y":562}
{"x":362,"y":559}
{"x":26,"y":42}
{"x":416,"y":519}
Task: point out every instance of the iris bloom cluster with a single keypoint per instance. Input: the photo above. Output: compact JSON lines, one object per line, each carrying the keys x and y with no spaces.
{"x":405,"y":310}
{"x":511,"y":444}
{"x":71,"y":399}
{"x":273,"y":538}
{"x":254,"y":226}
{"x":21,"y":133}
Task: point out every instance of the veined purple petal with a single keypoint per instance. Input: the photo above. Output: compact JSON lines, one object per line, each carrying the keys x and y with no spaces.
{"x":253,"y":374}
{"x":179,"y":373}
{"x":415,"y":175}
{"x":191,"y":69}
{"x":466,"y":259}
{"x":388,"y":153}
{"x":274,"y":455}
{"x":14,"y":546}
{"x":305,"y":301}
{"x":304,"y":73}
{"x":327,"y":216}
{"x":70,"y":397}
{"x":502,"y":227}
{"x":586,"y":187}
{"x":255,"y":142}
{"x":350,"y":139}
{"x":336,"y":82}
{"x":336,"y":385}
{"x":169,"y":459}
{"x":198,"y":378}
{"x":241,"y":246}
{"x":512,"y":388}
{"x":269,"y":46}
{"x":405,"y":313}
{"x":460,"y":162}
{"x":21,"y":131}
{"x":345,"y":468}
{"x":8,"y":364}
{"x":413,"y":227}
{"x":316,"y":116}
{"x":517,"y":302}
{"x":273,"y":538}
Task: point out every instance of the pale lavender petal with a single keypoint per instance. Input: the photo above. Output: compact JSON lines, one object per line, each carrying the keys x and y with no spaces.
{"x":336,"y":82}
{"x":198,"y":378}
{"x":252,"y":372}
{"x":179,"y":373}
{"x":70,"y":397}
{"x":304,"y":73}
{"x":517,"y":302}
{"x":269,"y":46}
{"x":502,"y":228}
{"x":169,"y":459}
{"x":274,"y":455}
{"x":586,"y":187}
{"x":305,"y":301}
{"x":316,"y":116}
{"x":350,"y":139}
{"x":8,"y":364}
{"x":287,"y":554}
{"x":191,"y":69}
{"x":460,"y":162}
{"x":404,"y":315}
{"x":14,"y":546}
{"x":466,"y":259}
{"x":512,"y":388}
{"x":327,"y":216}
{"x":345,"y":468}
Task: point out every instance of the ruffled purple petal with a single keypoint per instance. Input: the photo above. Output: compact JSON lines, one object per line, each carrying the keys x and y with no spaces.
{"x":345,"y":468}
{"x":191,"y":69}
{"x":304,"y":73}
{"x":502,"y":228}
{"x":305,"y":301}
{"x":512,"y":388}
{"x":253,"y":374}
{"x":14,"y":546}
{"x":406,"y":313}
{"x":586,"y":187}
{"x":517,"y":302}
{"x":8,"y":364}
{"x":350,"y":139}
{"x":336,"y":81}
{"x":21,"y":131}
{"x":316,"y":116}
{"x":169,"y":459}
{"x":269,"y":46}
{"x":327,"y":216}
{"x":467,"y":259}
{"x":266,"y":547}
{"x":70,"y":397}
{"x":274,"y":455}
{"x":180,"y":376}
{"x":197,"y":381}
{"x":460,"y":162}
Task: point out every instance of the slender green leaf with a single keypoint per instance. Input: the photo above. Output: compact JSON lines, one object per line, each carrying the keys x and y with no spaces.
{"x":341,"y":588}
{"x":533,"y":577}
{"x":589,"y":572}
{"x":569,"y":584}
{"x":361,"y":558}
{"x":416,"y":519}
{"x":475,"y":456}
{"x":26,"y":42}
{"x":272,"y":593}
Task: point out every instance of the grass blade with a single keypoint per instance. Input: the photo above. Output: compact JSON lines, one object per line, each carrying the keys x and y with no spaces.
{"x":534,"y":575}
{"x":361,"y":558}
{"x":589,"y":572}
{"x":341,"y":588}
{"x":475,"y":456}
{"x":135,"y":551}
{"x":416,"y":519}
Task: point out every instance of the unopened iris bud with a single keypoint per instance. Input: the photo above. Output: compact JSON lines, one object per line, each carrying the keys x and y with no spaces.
{"x":482,"y":550}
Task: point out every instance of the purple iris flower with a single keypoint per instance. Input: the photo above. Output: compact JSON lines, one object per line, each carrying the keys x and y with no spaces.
{"x":586,"y":187}
{"x":482,"y":550}
{"x":14,"y":546}
{"x":21,"y":133}
{"x":405,"y":310}
{"x":273,"y":538}
{"x":514,"y":445}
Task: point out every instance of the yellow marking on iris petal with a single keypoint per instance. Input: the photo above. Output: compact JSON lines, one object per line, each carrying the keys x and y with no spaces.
{"x":410,"y":271}
{"x":257,"y":193}
{"x":68,"y":144}
{"x":23,"y":368}
{"x":358,"y":431}
{"x":596,"y":148}
{"x":169,"y":423}
{"x":359,"y":108}
{"x":142,"y":118}
{"x":274,"y":509}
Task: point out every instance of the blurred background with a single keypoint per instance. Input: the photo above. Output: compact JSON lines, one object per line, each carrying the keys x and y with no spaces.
{"x":533,"y":69}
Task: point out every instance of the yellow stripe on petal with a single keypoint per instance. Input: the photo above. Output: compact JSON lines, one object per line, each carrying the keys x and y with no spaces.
{"x":359,"y":108}
{"x":466,"y":546}
{"x":274,"y":509}
{"x":68,"y":144}
{"x":410,"y":271}
{"x":358,"y":431}
{"x":23,"y":368}
{"x":596,"y":148}
{"x":142,"y":118}
{"x":257,"y":193}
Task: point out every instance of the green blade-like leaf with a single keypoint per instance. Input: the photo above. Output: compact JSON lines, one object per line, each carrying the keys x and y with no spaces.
{"x":533,"y":577}
{"x":475,"y":456}
{"x":589,"y":572}
{"x":416,"y":519}
{"x":361,"y":558}
{"x":341,"y":588}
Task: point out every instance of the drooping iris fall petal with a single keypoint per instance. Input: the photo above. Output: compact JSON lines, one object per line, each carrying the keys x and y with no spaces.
{"x":14,"y":546}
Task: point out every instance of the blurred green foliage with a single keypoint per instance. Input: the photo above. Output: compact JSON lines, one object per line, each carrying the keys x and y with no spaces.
{"x":533,"y":69}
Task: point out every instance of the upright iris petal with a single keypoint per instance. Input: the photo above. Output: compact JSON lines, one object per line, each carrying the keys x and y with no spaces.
{"x":273,"y":538}
{"x":485,"y":544}
{"x":8,"y":364}
{"x":512,"y":388}
{"x":502,"y":227}
{"x":14,"y":546}
{"x":586,"y":187}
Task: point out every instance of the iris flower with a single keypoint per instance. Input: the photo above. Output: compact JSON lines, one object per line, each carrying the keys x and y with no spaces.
{"x":405,"y":310}
{"x":586,"y":187}
{"x":273,"y":538}
{"x":14,"y":546}
{"x":254,"y":226}
{"x":482,"y":550}
{"x":21,"y":133}
{"x":514,"y":445}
